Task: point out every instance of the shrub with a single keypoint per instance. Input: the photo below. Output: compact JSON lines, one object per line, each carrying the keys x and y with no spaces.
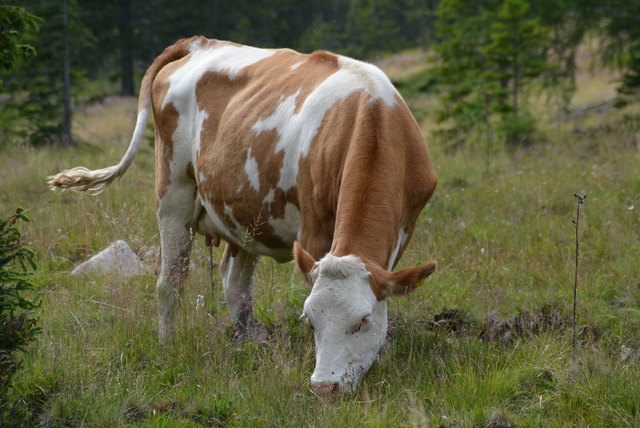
{"x":517,"y":131}
{"x":17,"y":326}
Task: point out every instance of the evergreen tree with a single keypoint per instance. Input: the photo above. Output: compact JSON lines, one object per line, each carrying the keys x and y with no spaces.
{"x":37,"y":88}
{"x":464,"y":30}
{"x":18,"y":327}
{"x":567,"y":22}
{"x":631,"y":79}
{"x":489,"y":54}
{"x":622,"y":19}
{"x":17,"y":29}
{"x":16,"y":26}
{"x":515,"y":56}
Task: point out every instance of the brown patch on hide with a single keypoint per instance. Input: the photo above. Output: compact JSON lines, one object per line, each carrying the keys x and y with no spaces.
{"x":390,"y":179}
{"x":275,"y":81}
{"x":234,"y":107}
{"x":166,"y":122}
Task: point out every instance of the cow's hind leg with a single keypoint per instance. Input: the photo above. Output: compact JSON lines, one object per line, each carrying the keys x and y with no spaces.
{"x":237,"y":270}
{"x":176,"y":236}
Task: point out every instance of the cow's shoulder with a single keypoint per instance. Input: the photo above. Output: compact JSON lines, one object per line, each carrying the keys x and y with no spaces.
{"x":373,"y":80}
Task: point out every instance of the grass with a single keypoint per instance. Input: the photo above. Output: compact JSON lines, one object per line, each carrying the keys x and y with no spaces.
{"x":501,"y":232}
{"x":405,"y":64}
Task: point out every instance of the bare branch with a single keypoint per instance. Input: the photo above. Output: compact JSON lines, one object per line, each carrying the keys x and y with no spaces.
{"x":576,"y":224}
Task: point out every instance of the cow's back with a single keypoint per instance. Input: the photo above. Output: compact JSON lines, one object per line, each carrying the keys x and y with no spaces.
{"x":267,"y":133}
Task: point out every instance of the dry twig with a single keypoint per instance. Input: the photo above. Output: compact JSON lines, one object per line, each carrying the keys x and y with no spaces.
{"x":576,"y":224}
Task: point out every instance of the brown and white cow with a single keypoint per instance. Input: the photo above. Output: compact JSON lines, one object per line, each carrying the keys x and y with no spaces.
{"x":270,"y":149}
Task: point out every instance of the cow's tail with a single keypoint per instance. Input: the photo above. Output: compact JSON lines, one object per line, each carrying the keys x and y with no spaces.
{"x":84,"y":180}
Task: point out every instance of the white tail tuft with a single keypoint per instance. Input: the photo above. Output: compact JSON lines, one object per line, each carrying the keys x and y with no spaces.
{"x":82,"y":179}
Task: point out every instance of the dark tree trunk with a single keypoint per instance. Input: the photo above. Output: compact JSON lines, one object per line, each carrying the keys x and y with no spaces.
{"x":126,"y":48}
{"x":66,"y":92}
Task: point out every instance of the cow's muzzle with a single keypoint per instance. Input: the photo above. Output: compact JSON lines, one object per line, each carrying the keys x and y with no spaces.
{"x":323,"y":388}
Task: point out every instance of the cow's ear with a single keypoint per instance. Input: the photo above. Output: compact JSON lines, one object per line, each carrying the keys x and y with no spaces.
{"x":404,"y":281}
{"x":304,"y":261}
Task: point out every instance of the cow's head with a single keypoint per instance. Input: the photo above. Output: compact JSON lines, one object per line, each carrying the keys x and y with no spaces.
{"x":347,"y":310}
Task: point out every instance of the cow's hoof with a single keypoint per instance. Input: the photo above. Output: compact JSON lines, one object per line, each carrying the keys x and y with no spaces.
{"x":253,"y":331}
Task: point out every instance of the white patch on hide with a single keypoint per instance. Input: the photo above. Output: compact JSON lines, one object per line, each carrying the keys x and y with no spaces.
{"x":287,"y":228}
{"x":229,"y":213}
{"x":270,"y":197}
{"x":229,"y":58}
{"x":376,"y":83}
{"x":400,"y":240}
{"x":201,"y":117}
{"x":251,"y":169}
{"x":182,"y":90}
{"x":297,"y":131}
{"x":194,"y":46}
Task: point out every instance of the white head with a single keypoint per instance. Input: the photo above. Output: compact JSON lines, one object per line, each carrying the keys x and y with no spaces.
{"x":347,"y":311}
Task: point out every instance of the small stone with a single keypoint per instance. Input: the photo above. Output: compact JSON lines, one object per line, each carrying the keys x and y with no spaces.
{"x":499,"y":420}
{"x":118,"y":258}
{"x":625,"y":353}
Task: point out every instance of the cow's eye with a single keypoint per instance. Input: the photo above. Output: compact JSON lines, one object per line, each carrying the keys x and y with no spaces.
{"x":310,"y":324}
{"x":364,"y":321}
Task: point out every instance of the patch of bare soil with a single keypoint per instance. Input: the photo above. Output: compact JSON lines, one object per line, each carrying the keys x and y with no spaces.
{"x":504,"y":331}
{"x":452,"y":320}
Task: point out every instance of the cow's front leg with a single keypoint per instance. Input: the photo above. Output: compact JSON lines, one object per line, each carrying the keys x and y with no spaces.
{"x":237,"y":270}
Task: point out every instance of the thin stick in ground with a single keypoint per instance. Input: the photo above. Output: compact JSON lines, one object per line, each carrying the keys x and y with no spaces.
{"x":576,"y":224}
{"x":209,"y":243}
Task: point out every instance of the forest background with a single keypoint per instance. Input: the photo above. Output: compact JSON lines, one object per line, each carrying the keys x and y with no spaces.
{"x":486,"y":55}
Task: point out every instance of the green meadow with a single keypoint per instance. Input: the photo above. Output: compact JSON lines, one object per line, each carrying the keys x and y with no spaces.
{"x":486,"y":341}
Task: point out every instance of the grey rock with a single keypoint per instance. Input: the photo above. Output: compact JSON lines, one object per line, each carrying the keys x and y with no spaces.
{"x":118,"y":258}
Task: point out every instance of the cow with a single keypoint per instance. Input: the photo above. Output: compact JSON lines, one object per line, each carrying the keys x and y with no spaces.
{"x":313,"y":157}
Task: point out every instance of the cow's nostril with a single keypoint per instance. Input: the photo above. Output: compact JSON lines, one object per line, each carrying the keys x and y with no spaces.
{"x":325,"y":388}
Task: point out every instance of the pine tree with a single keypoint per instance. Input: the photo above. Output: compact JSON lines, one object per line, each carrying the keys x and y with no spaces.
{"x":16,"y":26}
{"x":17,"y":29}
{"x":37,"y":88}
{"x":489,"y":54}
{"x":515,"y":56}
{"x":17,"y":325}
{"x":622,"y":30}
{"x":464,"y":30}
{"x":631,"y":78}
